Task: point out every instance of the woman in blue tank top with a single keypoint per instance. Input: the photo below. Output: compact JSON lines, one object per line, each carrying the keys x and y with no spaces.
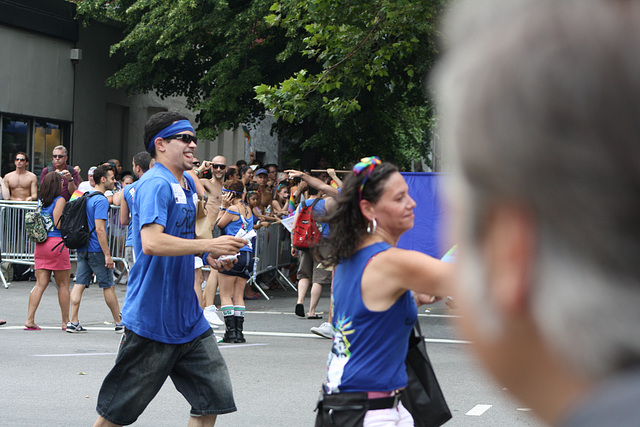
{"x":374,"y":308}
{"x":50,"y":256}
{"x":234,"y":216}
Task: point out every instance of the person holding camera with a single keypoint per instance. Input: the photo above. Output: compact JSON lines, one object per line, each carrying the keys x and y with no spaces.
{"x":70,"y":177}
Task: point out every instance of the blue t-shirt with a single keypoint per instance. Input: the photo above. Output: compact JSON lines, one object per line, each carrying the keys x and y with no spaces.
{"x":160,"y":303}
{"x":369,"y":347}
{"x":233,"y":227}
{"x":97,"y":208}
{"x":47,"y":216}
{"x":317,"y":212}
{"x":128,"y":194}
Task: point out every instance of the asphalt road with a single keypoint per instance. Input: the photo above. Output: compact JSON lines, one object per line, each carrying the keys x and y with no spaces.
{"x":52,"y":378}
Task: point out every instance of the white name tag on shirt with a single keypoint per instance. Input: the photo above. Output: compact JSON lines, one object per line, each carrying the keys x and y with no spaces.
{"x":178,"y":194}
{"x":195,"y":199}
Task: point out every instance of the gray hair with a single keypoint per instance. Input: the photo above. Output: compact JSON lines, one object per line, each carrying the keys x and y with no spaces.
{"x":541,"y":99}
{"x":60,"y":147}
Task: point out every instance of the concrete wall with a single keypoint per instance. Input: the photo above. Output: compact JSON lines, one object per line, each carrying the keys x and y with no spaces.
{"x":36,"y":75}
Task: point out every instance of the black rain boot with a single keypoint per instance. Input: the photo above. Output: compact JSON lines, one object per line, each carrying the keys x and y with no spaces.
{"x":239,"y":325}
{"x":230,"y":332}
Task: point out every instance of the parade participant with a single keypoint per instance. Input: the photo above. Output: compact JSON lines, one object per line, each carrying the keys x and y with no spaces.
{"x":374,"y":308}
{"x":540,"y":100}
{"x":95,"y":258}
{"x":166,"y":333}
{"x":234,"y":216}
{"x":47,"y":259}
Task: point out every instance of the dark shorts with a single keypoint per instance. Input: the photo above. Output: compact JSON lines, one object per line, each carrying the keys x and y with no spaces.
{"x":308,"y":268}
{"x":93,"y":262}
{"x":197,"y":370}
{"x":243,"y":268}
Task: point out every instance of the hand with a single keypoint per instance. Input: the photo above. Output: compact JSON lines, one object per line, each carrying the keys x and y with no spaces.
{"x":65,"y":175}
{"x":294,"y":252}
{"x":302,"y":186}
{"x":227,"y":198}
{"x":108,"y":262}
{"x":294,"y":173}
{"x":221,"y":265}
{"x":225,"y":245}
{"x":332,"y":173}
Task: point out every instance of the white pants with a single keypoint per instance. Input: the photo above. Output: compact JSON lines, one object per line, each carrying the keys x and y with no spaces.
{"x":398,"y":416}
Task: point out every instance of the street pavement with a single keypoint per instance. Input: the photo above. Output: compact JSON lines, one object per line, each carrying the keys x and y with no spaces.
{"x":52,"y":378}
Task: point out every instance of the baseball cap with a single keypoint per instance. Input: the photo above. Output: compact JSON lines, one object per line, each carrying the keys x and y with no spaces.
{"x":261,"y":170}
{"x":91,"y":169}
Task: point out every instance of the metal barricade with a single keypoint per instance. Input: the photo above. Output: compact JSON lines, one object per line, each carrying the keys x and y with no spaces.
{"x":272,"y":247}
{"x":16,"y":248}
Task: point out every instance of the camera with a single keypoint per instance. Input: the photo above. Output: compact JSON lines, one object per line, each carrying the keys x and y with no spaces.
{"x":206,"y":174}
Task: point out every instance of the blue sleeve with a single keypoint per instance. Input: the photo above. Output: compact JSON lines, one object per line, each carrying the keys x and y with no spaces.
{"x":101,"y":207}
{"x":152,"y":200}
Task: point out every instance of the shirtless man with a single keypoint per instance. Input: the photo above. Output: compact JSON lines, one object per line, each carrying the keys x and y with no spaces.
{"x":22,"y":184}
{"x":213,"y":187}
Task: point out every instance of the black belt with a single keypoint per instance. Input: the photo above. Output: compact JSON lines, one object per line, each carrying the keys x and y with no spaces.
{"x":384,"y":402}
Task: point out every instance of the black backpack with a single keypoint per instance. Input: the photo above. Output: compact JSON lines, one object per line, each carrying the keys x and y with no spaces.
{"x":74,"y":225}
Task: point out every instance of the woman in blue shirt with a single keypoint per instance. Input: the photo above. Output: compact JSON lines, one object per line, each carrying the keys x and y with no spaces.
{"x":48,"y":260}
{"x":374,"y":308}
{"x":234,"y":216}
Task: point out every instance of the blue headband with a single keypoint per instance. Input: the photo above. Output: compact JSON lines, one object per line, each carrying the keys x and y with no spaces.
{"x":174,"y":128}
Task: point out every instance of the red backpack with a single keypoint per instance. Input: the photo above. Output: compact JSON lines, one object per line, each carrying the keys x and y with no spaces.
{"x":306,"y":233}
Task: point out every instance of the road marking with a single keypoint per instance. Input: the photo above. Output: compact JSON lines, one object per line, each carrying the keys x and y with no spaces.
{"x":478,"y":410}
{"x":447,"y":316}
{"x":73,"y":354}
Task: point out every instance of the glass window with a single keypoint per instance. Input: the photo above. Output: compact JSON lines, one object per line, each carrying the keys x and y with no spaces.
{"x":15,"y":134}
{"x":47,"y":136}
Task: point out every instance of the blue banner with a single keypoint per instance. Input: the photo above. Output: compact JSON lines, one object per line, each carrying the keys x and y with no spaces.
{"x":427,"y":233}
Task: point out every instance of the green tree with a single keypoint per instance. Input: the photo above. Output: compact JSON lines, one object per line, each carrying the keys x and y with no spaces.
{"x":344,"y":78}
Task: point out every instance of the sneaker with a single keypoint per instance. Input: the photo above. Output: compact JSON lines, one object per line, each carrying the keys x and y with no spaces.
{"x":210,"y":313}
{"x":325,"y":330}
{"x":75,"y":327}
{"x":119,"y":328}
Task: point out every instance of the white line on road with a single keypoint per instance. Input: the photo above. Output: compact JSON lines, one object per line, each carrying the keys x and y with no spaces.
{"x":478,"y":410}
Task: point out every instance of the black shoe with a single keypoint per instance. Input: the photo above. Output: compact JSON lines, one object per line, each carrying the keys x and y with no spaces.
{"x":300,"y":310}
{"x":230,"y":331}
{"x":239,"y":325}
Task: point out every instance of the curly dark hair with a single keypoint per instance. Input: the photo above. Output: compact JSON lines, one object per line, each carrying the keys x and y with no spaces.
{"x":347,"y":224}
{"x":236,"y":186}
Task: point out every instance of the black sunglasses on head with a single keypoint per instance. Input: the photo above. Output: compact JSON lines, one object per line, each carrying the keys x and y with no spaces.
{"x":184,"y":137}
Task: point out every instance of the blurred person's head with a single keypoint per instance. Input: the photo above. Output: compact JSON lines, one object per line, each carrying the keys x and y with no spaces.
{"x":538,"y":100}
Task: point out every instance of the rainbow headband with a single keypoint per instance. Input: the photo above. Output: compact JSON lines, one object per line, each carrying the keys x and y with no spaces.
{"x":174,"y":128}
{"x":366,"y":166}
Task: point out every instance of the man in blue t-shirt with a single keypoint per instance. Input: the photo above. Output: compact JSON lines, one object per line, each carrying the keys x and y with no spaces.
{"x":166,"y":333}
{"x":96,"y":257}
{"x":141,"y":163}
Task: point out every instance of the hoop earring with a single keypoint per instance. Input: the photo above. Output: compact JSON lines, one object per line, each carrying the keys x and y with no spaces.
{"x":372,"y":226}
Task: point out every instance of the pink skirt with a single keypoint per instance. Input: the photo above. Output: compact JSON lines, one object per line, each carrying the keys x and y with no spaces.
{"x":46,"y":259}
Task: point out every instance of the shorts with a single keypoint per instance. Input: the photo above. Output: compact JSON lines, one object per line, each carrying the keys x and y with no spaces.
{"x":47,"y":258}
{"x":243,"y":268}
{"x":198,"y":262}
{"x":196,"y":368}
{"x":93,"y":262}
{"x":307,"y":269}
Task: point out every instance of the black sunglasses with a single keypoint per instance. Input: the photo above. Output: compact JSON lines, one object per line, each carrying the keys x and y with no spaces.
{"x":184,"y":137}
{"x":58,"y":156}
{"x":196,"y":163}
{"x":18,"y":159}
{"x":218,"y":166}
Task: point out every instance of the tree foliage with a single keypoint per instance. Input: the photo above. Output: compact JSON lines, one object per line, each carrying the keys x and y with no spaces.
{"x":344,"y":78}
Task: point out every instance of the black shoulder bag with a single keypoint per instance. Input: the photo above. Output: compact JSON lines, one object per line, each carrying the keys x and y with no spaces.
{"x":423,"y":397}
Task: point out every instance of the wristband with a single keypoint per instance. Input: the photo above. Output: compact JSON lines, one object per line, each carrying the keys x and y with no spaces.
{"x":223,"y":209}
{"x":204,"y":258}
